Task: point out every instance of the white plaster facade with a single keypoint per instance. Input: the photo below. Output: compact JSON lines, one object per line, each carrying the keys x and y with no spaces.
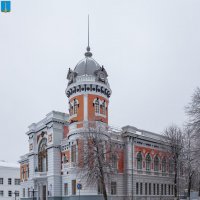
{"x":9,"y":181}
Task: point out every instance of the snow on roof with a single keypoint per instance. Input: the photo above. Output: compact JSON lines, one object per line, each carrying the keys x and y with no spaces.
{"x":7,"y":164}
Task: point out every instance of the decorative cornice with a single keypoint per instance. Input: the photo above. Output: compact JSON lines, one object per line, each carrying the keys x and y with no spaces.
{"x":88,"y":88}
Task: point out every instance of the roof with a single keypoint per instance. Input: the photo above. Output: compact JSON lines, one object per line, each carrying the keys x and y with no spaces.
{"x":8,"y":164}
{"x":86,"y":66}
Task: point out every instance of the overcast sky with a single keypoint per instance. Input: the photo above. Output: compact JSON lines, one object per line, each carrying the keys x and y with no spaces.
{"x":150,"y":49}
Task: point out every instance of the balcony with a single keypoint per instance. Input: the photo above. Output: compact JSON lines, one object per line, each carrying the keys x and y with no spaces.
{"x":39,"y":175}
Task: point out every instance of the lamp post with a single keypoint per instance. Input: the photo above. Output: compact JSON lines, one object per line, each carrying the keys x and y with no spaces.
{"x":33,"y":191}
{"x":79,"y":187}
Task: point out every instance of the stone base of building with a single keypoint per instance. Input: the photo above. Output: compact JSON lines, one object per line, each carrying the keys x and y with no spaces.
{"x":99,"y":197}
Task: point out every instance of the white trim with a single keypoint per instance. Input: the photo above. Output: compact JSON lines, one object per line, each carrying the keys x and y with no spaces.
{"x":100,"y":115}
{"x":72,"y":116}
{"x":85,"y":102}
{"x":88,"y":92}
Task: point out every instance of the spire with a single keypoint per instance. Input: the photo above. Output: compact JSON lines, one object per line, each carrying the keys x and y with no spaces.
{"x":88,"y":53}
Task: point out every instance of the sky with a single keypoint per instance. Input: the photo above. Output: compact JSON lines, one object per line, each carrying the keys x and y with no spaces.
{"x":150,"y":49}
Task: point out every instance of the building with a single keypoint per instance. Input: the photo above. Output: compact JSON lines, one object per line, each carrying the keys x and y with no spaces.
{"x":143,"y":168}
{"x":9,"y":181}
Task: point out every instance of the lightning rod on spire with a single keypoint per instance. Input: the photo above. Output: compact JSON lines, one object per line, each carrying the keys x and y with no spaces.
{"x":88,"y":53}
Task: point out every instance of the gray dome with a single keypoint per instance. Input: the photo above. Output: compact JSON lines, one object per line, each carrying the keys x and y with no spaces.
{"x":86,"y":66}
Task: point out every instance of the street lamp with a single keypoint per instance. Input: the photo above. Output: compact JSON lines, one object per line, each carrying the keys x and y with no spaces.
{"x":33,"y":191}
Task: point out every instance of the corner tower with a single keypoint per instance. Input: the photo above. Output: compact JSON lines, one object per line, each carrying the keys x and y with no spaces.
{"x":88,"y":92}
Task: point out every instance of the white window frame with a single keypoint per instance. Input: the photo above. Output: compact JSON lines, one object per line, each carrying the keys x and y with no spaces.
{"x":9,"y":181}
{"x":66,"y":189}
{"x":9,"y":193}
{"x":1,"y":193}
{"x":113,"y":188}
{"x":17,"y":181}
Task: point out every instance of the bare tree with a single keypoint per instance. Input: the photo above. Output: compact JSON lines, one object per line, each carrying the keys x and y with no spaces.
{"x":173,"y":138}
{"x":193,"y":111}
{"x":99,"y":158}
{"x":190,"y":158}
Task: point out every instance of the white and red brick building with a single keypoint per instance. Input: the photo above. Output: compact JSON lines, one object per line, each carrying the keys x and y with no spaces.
{"x":144,"y":170}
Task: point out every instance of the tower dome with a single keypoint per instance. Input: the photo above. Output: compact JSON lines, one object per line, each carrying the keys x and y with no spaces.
{"x":87,"y":66}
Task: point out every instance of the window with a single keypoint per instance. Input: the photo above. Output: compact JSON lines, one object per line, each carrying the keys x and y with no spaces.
{"x":156,"y":163}
{"x":23,"y":173}
{"x":1,"y":181}
{"x":139,"y":160}
{"x":70,"y":109}
{"x":9,"y":181}
{"x":10,"y":193}
{"x":17,"y":193}
{"x":73,"y":152}
{"x":154,"y":189}
{"x":73,"y":187}
{"x":158,"y":188}
{"x":164,"y":166}
{"x":165,"y":189}
{"x":28,"y":171}
{"x":65,"y":159}
{"x":137,"y":188}
{"x":172,"y":190}
{"x":149,"y":188}
{"x":100,"y":189}
{"x":161,"y":189}
{"x":104,"y":108}
{"x":145,"y":188}
{"x":96,"y":106}
{"x":17,"y":181}
{"x":42,"y":157}
{"x":141,"y":189}
{"x":114,"y":161}
{"x":148,"y":162}
{"x":28,"y":192}
{"x":1,"y":193}
{"x":66,"y":189}
{"x":171,"y":166}
{"x":23,"y":192}
{"x":75,"y":106}
{"x":113,"y":188}
{"x":169,"y":190}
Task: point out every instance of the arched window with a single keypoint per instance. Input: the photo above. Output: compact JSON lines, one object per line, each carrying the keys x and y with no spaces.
{"x":156,"y":163}
{"x":65,"y":159}
{"x":96,"y":106}
{"x":114,"y":161}
{"x":164,"y":165}
{"x":42,"y":156}
{"x":104,"y":108}
{"x":139,"y":160}
{"x":75,"y":106}
{"x":148,"y":162}
{"x":23,"y":173}
{"x":70,"y":109}
{"x":171,"y":166}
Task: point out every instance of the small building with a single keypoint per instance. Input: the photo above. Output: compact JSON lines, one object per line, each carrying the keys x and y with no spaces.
{"x":9,"y":181}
